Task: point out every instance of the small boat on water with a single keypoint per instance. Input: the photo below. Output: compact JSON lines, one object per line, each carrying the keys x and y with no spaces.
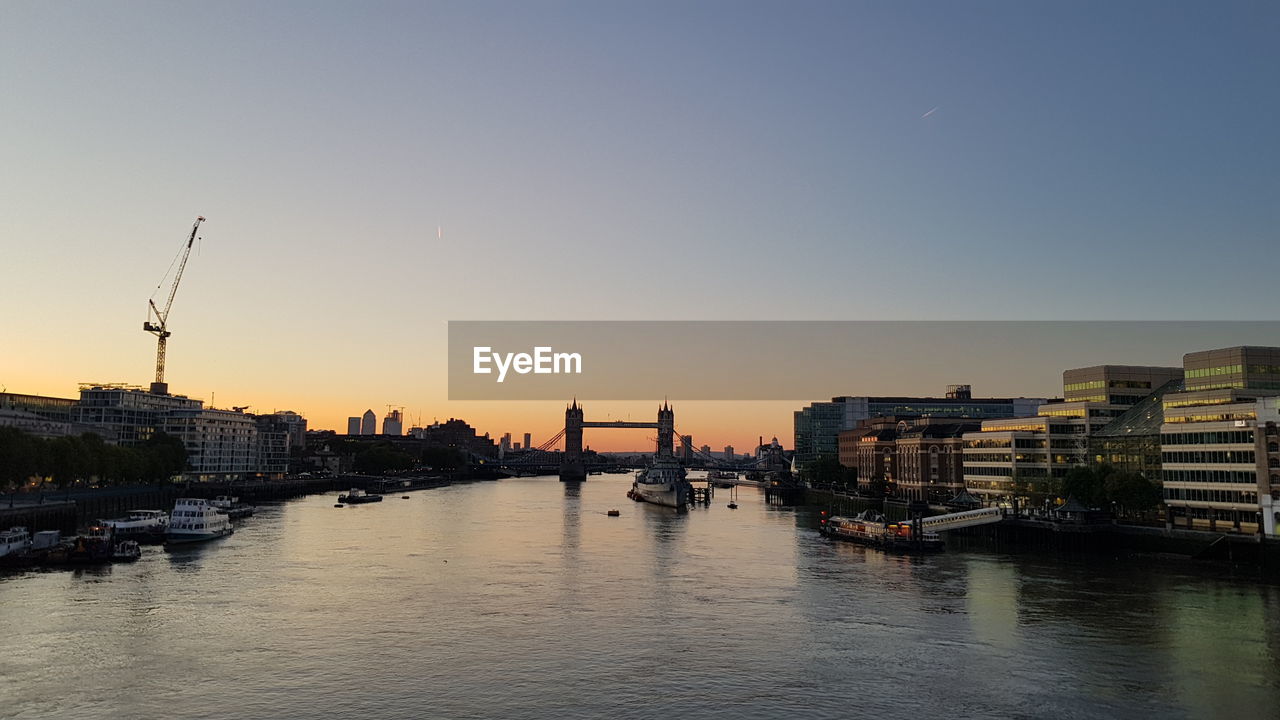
{"x":140,"y":525}
{"x":872,"y":528}
{"x":15,"y":540}
{"x":356,"y":496}
{"x":126,"y":551}
{"x":232,"y":507}
{"x":94,"y":547}
{"x":613,"y":513}
{"x":15,"y":547}
{"x":196,"y":520}
{"x":722,"y":479}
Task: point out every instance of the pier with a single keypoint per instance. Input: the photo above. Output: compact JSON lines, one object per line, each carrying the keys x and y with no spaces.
{"x":701,"y":495}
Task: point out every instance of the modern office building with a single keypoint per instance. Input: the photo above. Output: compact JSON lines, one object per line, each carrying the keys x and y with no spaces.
{"x":222,"y":445}
{"x":1108,"y":391}
{"x":1131,"y":441}
{"x":393,"y":423}
{"x":51,"y":408}
{"x":1119,"y":385}
{"x":353,"y":426}
{"x":127,"y":415}
{"x":728,"y":453}
{"x":528,"y":441}
{"x":1242,"y":367}
{"x":368,"y":423}
{"x":1221,"y":466}
{"x":1022,"y":457}
{"x":33,"y":424}
{"x":274,"y":440}
{"x":818,"y":426}
{"x":1220,"y":452}
{"x":295,"y":425}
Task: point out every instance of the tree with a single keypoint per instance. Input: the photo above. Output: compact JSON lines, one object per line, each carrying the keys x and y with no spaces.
{"x":1087,"y":484}
{"x":1132,"y":492}
{"x":443,"y":458}
{"x":827,"y":470}
{"x":18,"y":458}
{"x":382,"y":458}
{"x":163,"y":457}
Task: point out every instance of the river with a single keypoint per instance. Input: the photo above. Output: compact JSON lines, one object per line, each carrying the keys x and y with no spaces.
{"x":522,"y":599}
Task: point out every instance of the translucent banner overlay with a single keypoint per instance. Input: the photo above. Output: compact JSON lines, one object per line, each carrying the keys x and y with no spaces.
{"x":807,"y":360}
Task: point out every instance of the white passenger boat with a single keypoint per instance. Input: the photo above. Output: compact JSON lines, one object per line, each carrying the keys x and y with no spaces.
{"x":196,"y":520}
{"x":15,"y":540}
{"x":232,"y":507}
{"x":139,"y":523}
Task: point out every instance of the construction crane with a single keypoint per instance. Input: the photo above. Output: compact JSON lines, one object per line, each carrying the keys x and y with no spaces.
{"x":160,"y":328}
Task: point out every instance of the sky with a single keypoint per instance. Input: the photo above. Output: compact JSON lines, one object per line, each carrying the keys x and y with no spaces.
{"x":371,"y":171}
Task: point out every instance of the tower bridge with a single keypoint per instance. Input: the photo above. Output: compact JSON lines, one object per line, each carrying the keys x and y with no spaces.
{"x":572,"y":468}
{"x":571,"y":463}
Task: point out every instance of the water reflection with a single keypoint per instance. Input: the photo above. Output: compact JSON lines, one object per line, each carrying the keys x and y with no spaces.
{"x":472,"y":597}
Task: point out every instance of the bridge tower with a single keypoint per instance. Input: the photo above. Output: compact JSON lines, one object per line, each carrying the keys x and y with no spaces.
{"x":571,"y":466}
{"x":666,"y":431}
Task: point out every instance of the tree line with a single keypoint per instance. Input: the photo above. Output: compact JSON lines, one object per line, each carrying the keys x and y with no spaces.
{"x":381,"y":456}
{"x":1096,"y":486}
{"x":66,"y":461}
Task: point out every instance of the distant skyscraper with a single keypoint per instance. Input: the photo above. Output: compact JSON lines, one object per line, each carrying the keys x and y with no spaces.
{"x":505,"y":442}
{"x":528,"y":441}
{"x":353,"y":426}
{"x":393,"y":423}
{"x":686,"y":448}
{"x":728,"y":452}
{"x":369,"y":423}
{"x":705,"y":449}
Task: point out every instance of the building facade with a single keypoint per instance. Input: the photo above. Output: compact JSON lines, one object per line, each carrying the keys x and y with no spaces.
{"x":51,"y":408}
{"x":818,"y":426}
{"x":1025,"y":457}
{"x":1220,"y":450}
{"x":221,"y":445}
{"x":393,"y":423}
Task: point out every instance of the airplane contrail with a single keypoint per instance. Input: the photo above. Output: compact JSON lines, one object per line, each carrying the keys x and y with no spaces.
{"x":934,"y":110}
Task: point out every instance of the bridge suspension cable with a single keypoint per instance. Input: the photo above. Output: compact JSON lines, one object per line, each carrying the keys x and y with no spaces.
{"x":546,"y":446}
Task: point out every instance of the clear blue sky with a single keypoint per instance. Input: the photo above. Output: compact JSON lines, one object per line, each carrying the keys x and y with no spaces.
{"x":735,"y":160}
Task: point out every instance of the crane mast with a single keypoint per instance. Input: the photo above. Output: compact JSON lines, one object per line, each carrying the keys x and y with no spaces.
{"x":160,"y":328}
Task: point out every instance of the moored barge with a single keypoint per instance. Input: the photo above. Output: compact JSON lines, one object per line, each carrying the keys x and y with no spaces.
{"x":872,"y":528}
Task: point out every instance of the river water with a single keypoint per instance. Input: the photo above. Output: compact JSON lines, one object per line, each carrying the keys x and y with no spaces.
{"x":522,"y":599}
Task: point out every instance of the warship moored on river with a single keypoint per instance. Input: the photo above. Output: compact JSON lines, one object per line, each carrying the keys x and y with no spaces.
{"x":664,"y":481}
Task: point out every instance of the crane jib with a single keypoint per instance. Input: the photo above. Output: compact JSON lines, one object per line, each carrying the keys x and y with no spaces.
{"x":161,"y":330}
